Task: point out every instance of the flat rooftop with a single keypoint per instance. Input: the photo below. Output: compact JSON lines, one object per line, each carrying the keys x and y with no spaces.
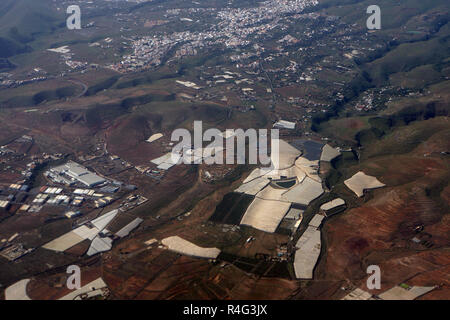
{"x":79,"y":173}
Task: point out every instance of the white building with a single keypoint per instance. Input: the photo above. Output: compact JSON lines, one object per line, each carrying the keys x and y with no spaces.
{"x":79,"y":173}
{"x":283,"y":124}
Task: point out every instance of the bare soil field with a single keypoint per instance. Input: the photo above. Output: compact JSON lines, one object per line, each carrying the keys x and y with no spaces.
{"x":412,"y":206}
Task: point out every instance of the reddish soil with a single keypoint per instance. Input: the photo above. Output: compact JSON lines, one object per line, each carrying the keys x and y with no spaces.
{"x":54,"y":287}
{"x":380,"y":231}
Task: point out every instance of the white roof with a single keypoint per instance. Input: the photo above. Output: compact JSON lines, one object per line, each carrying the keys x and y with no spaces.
{"x":286,"y":155}
{"x":182,"y":246}
{"x":332,"y":204}
{"x":100,"y":244}
{"x":294,"y":213}
{"x":271,"y":193}
{"x":17,"y":291}
{"x":329,"y":153}
{"x":360,"y":182}
{"x":265,"y":215}
{"x":309,"y":167}
{"x":165,"y":166}
{"x":307,"y":254}
{"x":309,"y":232}
{"x":125,"y":231}
{"x":101,"y":222}
{"x":292,"y":172}
{"x":284,"y":124}
{"x":80,"y":234}
{"x":254,"y":186}
{"x":305,"y":192}
{"x":316,"y":221}
{"x":399,"y":293}
{"x":4,"y":203}
{"x":64,"y":242}
{"x":258,"y":172}
{"x":90,"y":179}
{"x":155,"y":137}
{"x":86,"y":233}
{"x":80,"y":173}
{"x":358,"y":294}
{"x":167,"y":159}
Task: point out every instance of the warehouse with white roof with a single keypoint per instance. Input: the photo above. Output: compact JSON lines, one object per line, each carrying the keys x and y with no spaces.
{"x":78,"y":173}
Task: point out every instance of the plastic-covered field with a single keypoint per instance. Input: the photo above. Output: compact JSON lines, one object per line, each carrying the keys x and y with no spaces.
{"x":182,"y":246}
{"x":17,"y":291}
{"x":304,"y":192}
{"x":265,"y":215}
{"x":329,"y":153}
{"x":360,"y":182}
{"x":332,"y":204}
{"x":155,"y":137}
{"x":307,"y":253}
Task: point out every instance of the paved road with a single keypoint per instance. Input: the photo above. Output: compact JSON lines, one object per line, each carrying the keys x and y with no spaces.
{"x":85,"y":87}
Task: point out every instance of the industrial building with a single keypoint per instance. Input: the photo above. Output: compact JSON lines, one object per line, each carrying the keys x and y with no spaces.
{"x":77,"y":172}
{"x":283,"y":124}
{"x":4,"y":204}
